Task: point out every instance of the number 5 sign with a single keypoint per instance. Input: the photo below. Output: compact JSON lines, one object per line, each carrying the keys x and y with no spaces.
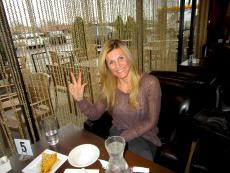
{"x":23,"y":147}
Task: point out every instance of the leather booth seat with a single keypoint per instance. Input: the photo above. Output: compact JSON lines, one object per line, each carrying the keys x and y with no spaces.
{"x":217,"y":59}
{"x":200,"y":87}
{"x":212,"y":152}
{"x":101,"y":126}
{"x":183,"y":95}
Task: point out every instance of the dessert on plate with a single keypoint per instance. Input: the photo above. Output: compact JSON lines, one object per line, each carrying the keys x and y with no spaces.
{"x":48,"y":161}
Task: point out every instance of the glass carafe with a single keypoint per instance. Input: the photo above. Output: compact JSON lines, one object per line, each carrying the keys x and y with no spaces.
{"x":115,"y":146}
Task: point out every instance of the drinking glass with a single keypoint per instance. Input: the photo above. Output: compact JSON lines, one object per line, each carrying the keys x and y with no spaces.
{"x":50,"y":126}
{"x":115,"y":146}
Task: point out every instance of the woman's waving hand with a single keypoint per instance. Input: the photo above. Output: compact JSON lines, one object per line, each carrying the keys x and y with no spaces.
{"x":76,"y":88}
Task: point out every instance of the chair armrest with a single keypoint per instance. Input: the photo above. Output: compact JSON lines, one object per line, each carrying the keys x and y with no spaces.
{"x":7,"y":96}
{"x":39,"y":102}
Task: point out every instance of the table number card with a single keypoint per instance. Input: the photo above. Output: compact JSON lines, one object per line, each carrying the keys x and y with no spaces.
{"x":23,"y":147}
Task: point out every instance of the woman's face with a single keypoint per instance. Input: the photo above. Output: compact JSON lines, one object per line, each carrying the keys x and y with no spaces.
{"x":118,"y":63}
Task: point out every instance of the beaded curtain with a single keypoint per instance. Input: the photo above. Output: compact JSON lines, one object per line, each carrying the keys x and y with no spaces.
{"x":54,"y":37}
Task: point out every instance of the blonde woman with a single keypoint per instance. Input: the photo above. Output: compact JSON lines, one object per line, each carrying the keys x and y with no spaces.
{"x":133,"y":99}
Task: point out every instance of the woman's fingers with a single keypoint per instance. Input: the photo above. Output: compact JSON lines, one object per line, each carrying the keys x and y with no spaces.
{"x":83,"y":86}
{"x":79,"y":78}
{"x":76,"y":87}
{"x":73,"y":79}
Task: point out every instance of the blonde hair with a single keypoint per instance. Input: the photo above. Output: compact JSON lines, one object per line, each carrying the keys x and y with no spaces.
{"x":109,"y":82}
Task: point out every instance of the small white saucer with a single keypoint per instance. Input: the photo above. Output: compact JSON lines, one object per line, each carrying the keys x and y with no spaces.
{"x":83,"y":155}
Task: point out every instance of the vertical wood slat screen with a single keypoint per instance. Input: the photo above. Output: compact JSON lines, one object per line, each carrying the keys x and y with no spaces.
{"x":52,"y":37}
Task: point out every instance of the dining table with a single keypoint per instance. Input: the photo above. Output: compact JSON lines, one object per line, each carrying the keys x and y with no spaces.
{"x":71,"y":136}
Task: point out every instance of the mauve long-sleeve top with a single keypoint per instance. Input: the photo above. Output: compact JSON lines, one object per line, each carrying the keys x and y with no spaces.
{"x":132,"y":123}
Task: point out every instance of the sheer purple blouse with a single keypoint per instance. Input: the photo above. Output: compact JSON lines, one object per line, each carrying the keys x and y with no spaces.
{"x":133,"y":123}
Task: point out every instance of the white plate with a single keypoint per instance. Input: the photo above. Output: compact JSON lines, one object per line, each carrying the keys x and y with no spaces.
{"x":35,"y":165}
{"x":83,"y":155}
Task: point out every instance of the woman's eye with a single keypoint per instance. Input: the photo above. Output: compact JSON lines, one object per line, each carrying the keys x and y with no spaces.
{"x":110,"y":62}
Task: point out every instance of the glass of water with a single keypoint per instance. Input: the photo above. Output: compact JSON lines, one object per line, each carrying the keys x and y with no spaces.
{"x":50,"y":126}
{"x":115,"y":146}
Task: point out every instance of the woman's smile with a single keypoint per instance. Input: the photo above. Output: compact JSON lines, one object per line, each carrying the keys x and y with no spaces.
{"x":118,"y":63}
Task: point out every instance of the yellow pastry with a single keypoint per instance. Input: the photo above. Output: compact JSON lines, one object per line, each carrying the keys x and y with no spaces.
{"x":48,"y":160}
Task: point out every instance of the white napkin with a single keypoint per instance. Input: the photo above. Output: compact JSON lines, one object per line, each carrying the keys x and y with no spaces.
{"x":134,"y":169}
{"x":103,"y":163}
{"x":140,"y":169}
{"x":82,"y":170}
{"x":5,"y":165}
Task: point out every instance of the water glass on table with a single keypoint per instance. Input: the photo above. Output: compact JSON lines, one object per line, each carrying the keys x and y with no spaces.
{"x":115,"y":146}
{"x":50,"y":126}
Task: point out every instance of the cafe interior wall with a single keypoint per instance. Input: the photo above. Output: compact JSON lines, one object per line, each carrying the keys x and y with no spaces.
{"x":86,"y":25}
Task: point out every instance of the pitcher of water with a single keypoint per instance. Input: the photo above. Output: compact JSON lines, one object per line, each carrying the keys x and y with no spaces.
{"x":115,"y":146}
